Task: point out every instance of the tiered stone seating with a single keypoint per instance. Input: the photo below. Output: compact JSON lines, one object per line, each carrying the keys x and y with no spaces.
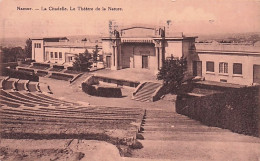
{"x":72,"y":72}
{"x":22,"y":85}
{"x":40,"y":66}
{"x":61,"y":76}
{"x":2,"y":80}
{"x":33,"y":87}
{"x":41,"y":73}
{"x":9,"y":84}
{"x":23,"y":99}
{"x":45,"y":70}
{"x":112,"y":124}
{"x":26,"y":70}
{"x":57,"y":68}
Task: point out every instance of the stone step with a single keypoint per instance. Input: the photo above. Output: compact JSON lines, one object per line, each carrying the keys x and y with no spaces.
{"x":145,"y":93}
{"x":172,"y":124}
{"x":183,"y":129}
{"x":223,"y":136}
{"x":197,"y":150}
{"x":169,"y":119}
{"x":150,"y":86}
{"x":144,"y":98}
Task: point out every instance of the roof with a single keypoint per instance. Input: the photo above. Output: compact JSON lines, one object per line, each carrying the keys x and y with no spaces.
{"x":235,"y":49}
{"x":73,"y":44}
{"x":51,"y":39}
{"x":228,"y":52}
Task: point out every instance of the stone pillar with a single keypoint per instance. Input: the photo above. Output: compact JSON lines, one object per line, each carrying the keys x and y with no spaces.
{"x":161,"y":57}
{"x":116,"y":57}
{"x":113,"y":56}
{"x":157,"y":58}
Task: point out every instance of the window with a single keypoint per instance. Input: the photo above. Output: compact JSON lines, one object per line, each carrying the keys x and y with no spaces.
{"x":51,"y":54}
{"x":237,"y":68}
{"x":46,"y":55}
{"x":70,"y":59}
{"x":60,"y":55}
{"x":56,"y":54}
{"x":37,"y":45}
{"x":210,"y":66}
{"x":223,"y":67}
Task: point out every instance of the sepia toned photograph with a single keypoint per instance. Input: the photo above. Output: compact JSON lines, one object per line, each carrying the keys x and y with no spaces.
{"x":129,"y":80}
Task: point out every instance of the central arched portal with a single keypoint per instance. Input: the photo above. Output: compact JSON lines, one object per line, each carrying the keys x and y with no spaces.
{"x":137,"y":55}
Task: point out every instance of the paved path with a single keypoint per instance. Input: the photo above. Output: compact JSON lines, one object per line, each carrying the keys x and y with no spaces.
{"x":170,"y":136}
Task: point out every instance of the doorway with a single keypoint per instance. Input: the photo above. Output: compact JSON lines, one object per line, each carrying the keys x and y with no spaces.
{"x":108,"y":61}
{"x":256,"y":73}
{"x":197,"y":68}
{"x":144,"y":61}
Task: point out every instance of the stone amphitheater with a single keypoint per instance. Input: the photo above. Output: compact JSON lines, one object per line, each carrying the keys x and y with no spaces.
{"x":55,"y":120}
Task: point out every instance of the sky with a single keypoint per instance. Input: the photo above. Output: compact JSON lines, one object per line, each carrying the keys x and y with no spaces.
{"x":188,"y":16}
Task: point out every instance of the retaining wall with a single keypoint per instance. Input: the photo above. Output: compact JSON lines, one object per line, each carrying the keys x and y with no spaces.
{"x":234,"y":109}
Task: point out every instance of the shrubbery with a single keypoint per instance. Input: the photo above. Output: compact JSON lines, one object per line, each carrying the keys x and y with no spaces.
{"x":82,"y":62}
{"x":234,"y":109}
{"x":172,"y":74}
{"x":20,"y":74}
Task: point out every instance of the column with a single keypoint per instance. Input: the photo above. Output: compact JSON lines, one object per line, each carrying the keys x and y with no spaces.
{"x":161,"y":57}
{"x":116,"y":57}
{"x":157,"y":58}
{"x":113,"y":56}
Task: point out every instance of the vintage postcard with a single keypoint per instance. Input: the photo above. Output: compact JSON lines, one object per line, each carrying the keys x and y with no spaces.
{"x":129,"y":80}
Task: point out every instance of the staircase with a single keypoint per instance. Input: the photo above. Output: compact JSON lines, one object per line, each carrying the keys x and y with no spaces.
{"x":146,"y":92}
{"x":168,"y":136}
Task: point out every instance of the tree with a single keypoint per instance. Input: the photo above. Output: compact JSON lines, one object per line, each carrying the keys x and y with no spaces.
{"x":28,"y":48}
{"x":82,"y":62}
{"x":11,"y":54}
{"x":95,"y":54}
{"x":172,"y":74}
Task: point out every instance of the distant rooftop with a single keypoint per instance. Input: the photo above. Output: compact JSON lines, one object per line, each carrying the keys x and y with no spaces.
{"x":52,"y":39}
{"x":77,"y":44}
{"x":228,"y":48}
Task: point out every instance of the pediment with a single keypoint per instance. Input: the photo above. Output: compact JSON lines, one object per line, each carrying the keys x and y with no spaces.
{"x":139,"y":32}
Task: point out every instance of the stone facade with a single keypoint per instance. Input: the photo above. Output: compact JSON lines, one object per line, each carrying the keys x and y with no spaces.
{"x":145,"y":48}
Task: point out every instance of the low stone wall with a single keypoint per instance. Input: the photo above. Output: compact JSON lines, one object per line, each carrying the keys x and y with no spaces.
{"x":91,"y":87}
{"x":234,"y":109}
{"x":108,"y":92}
{"x":118,"y":82}
{"x":61,"y":76}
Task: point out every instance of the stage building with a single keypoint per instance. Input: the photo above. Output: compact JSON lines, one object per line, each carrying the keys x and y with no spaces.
{"x":145,"y":48}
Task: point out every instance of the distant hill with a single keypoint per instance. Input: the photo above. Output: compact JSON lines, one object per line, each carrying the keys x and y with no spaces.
{"x":233,"y":37}
{"x":20,"y":41}
{"x":237,"y":37}
{"x":13,"y":42}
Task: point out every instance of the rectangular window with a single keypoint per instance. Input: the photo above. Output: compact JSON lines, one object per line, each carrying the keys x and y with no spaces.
{"x":223,"y":67}
{"x":51,"y":54}
{"x":60,"y":55}
{"x":39,"y":45}
{"x":56,"y":54}
{"x":210,"y":66}
{"x":237,"y":68}
{"x":35,"y":45}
